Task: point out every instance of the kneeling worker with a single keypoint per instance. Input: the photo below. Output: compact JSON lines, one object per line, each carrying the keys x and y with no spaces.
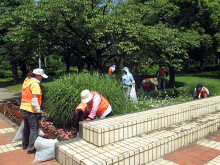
{"x":148,"y":82}
{"x":201,"y":91}
{"x":96,"y":103}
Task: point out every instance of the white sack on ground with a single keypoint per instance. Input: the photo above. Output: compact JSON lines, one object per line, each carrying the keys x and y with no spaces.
{"x":133,"y":96}
{"x":19,"y":134}
{"x":45,"y":149}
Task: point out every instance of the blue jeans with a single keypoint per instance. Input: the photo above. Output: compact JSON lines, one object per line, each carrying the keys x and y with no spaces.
{"x":31,"y":127}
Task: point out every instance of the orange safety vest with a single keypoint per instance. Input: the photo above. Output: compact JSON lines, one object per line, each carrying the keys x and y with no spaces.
{"x":147,"y":84}
{"x":26,"y":95}
{"x":110,"y":71}
{"x":161,"y":71}
{"x":203,"y":93}
{"x":102,"y":106}
{"x":82,"y":107}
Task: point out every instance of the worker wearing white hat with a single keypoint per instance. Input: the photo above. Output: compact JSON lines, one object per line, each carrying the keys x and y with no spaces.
{"x":30,"y":108}
{"x":97,"y":104}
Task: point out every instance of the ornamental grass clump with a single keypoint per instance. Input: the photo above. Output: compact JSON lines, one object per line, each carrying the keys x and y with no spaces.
{"x":63,"y":96}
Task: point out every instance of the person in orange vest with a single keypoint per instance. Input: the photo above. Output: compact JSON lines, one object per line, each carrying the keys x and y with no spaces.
{"x":96,"y":103}
{"x":148,"y":82}
{"x":161,"y":72}
{"x":111,"y":70}
{"x":81,"y":113}
{"x":201,"y":92}
{"x":31,"y":98}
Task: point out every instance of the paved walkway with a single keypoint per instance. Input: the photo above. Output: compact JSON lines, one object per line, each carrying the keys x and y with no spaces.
{"x":6,"y":95}
{"x":12,"y":153}
{"x":205,"y":151}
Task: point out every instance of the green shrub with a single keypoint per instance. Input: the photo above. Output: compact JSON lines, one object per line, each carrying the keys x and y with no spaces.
{"x":63,"y":96}
{"x":52,"y":67}
{"x":211,"y":67}
{"x":8,"y":73}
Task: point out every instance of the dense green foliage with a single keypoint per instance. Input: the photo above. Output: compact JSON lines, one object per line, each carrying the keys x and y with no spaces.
{"x":96,"y":34}
{"x":63,"y":96}
{"x":93,"y":35}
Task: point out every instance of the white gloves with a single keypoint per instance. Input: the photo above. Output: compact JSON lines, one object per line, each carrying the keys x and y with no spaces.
{"x":35,"y":104}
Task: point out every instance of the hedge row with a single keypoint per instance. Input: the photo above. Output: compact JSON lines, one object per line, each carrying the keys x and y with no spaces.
{"x":8,"y":73}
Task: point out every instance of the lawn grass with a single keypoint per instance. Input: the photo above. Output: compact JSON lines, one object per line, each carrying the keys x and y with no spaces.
{"x":15,"y":86}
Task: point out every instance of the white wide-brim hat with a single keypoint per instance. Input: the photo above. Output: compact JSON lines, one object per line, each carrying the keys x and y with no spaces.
{"x":154,"y":81}
{"x":40,"y":72}
{"x":86,"y":96}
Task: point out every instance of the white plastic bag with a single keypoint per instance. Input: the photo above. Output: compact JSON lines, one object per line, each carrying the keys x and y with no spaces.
{"x":41,"y":133}
{"x":19,"y":134}
{"x":133,"y":96}
{"x":45,"y":149}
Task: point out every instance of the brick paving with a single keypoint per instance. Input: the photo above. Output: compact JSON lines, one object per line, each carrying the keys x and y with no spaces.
{"x":12,"y":153}
{"x":205,"y":151}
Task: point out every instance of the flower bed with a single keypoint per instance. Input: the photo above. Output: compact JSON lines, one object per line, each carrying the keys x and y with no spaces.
{"x":11,"y":111}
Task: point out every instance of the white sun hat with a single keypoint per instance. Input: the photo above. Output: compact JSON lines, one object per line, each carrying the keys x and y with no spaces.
{"x":86,"y":96}
{"x":40,"y":72}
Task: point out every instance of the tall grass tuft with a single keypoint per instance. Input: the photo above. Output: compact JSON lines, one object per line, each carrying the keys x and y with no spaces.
{"x":62,"y":97}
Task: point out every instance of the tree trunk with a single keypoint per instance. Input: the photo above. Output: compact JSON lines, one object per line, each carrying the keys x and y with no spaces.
{"x":117,"y":64}
{"x":88,"y":67}
{"x":201,"y":65}
{"x":67,"y":61}
{"x":99,"y":60}
{"x":14,"y":71}
{"x":23,"y":69}
{"x":135,"y":70}
{"x":172,"y":77}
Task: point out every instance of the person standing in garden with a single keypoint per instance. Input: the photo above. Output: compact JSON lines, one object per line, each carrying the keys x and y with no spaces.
{"x":111,"y":70}
{"x":97,"y":104}
{"x":201,"y":92}
{"x":161,"y":72}
{"x":127,"y":81}
{"x":31,"y":98}
{"x":148,"y":82}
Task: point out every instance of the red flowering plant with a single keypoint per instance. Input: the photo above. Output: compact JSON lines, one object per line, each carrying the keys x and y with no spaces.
{"x":46,"y":136}
{"x":14,"y":113}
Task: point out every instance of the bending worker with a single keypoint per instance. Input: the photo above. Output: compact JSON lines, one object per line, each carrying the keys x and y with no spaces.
{"x":161,"y":72}
{"x":111,"y":70}
{"x":201,"y":91}
{"x":30,"y":108}
{"x":81,"y":113}
{"x":148,"y":82}
{"x":97,"y":104}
